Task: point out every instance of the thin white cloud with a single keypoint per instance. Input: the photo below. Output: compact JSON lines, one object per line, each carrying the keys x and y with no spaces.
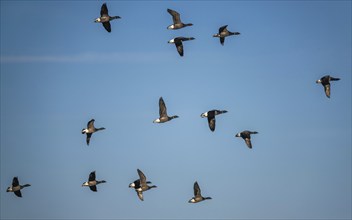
{"x":84,"y":57}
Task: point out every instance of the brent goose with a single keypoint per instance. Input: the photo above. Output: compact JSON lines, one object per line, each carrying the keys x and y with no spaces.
{"x":223,"y":32}
{"x":211,"y":117}
{"x":246,"y":135}
{"x":325,"y":81}
{"x":163,"y":113}
{"x":16,"y":187}
{"x":90,"y":130}
{"x":197,"y":195}
{"x":177,"y":21}
{"x":141,"y":185}
{"x":92,"y":183}
{"x":105,"y":18}
{"x":178,"y":43}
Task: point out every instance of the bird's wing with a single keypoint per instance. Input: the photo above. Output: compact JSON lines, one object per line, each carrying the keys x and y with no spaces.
{"x":196,"y":189}
{"x":162,"y":108}
{"x":91,"y":176}
{"x":104,"y":10}
{"x":327,"y":90}
{"x":15,"y":182}
{"x":90,"y":124}
{"x":179,"y":47}
{"x":93,"y":188}
{"x":175,"y":16}
{"x":223,"y":28}
{"x":222,"y":40}
{"x":140,"y":195}
{"x":18,"y":193}
{"x":211,"y":122}
{"x":142,"y":177}
{"x":89,"y":135}
{"x":248,"y":142}
{"x":107,"y":26}
{"x":185,"y":38}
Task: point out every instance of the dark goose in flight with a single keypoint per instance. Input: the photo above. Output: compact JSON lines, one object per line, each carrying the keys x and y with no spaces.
{"x":197,"y":194}
{"x":325,"y":81}
{"x":105,"y":18}
{"x":178,"y":43}
{"x":246,"y":135}
{"x":141,"y":185}
{"x":223,"y":32}
{"x":177,"y":21}
{"x":211,"y":117}
{"x":163,"y":113}
{"x":16,"y":187}
{"x":92,"y":183}
{"x":90,"y":130}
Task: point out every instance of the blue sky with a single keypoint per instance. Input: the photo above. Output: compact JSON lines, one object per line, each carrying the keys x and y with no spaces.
{"x":59,"y":69}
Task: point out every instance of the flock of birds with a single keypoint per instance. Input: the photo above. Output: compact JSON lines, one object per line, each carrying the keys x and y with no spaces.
{"x":141,"y":185}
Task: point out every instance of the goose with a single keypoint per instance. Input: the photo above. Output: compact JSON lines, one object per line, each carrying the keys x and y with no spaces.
{"x":223,"y":32}
{"x":197,"y":194}
{"x":137,"y":184}
{"x":325,"y":81}
{"x":141,"y":185}
{"x":246,"y":135}
{"x":163,"y":113}
{"x":105,"y":18}
{"x":92,"y":183}
{"x":16,"y":187}
{"x":211,"y":117}
{"x":177,"y":21}
{"x":90,"y":130}
{"x":178,"y":43}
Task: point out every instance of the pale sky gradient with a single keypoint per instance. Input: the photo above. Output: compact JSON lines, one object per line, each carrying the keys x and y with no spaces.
{"x":59,"y":69}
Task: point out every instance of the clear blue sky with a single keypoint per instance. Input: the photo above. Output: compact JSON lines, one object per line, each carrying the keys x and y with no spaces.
{"x":59,"y":69}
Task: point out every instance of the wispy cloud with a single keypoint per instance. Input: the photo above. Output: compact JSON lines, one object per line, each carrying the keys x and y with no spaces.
{"x":85,"y":57}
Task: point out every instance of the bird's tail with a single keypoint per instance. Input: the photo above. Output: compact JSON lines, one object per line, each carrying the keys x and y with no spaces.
{"x":115,"y":17}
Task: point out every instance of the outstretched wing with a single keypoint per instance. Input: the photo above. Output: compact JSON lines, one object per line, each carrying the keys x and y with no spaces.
{"x":107,"y":26}
{"x":175,"y":16}
{"x":140,"y":195}
{"x":89,"y":135}
{"x":104,"y":10}
{"x":91,"y":176}
{"x":327,"y":90}
{"x":222,"y":40}
{"x":196,"y":189}
{"x":248,"y":142}
{"x":18,"y":193}
{"x":179,"y":47}
{"x":15,"y":182}
{"x":162,"y":108}
{"x":223,"y":28}
{"x":211,"y":122}
{"x":93,"y":188}
{"x":142,"y":178}
{"x":90,"y":124}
